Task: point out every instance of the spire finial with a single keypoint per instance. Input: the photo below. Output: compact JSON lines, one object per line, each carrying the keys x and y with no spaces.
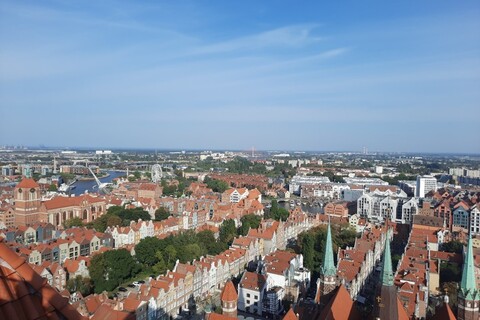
{"x":328,"y":266}
{"x":468,"y":287}
{"x":387,"y":272}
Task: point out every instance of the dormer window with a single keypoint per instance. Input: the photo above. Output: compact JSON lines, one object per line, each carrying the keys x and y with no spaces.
{"x":32,"y":190}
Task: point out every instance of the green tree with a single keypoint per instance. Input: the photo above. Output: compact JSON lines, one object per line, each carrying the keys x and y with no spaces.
{"x":206,"y":239}
{"x":52,"y":187}
{"x":113,"y":220}
{"x":308,"y":251}
{"x":73,"y":222}
{"x":168,"y":189}
{"x":79,"y":283}
{"x":107,"y":270}
{"x":137,"y":175}
{"x":170,"y":253}
{"x":160,"y":267}
{"x":249,"y":221}
{"x":190,"y":252}
{"x":228,"y":231}
{"x":453,"y":246}
{"x":277,"y":213}
{"x":274,"y":205}
{"x":216,"y":185}
{"x":146,"y":249}
{"x":98,"y":273}
{"x":161,"y":214}
{"x":450,"y":272}
{"x":100,"y":224}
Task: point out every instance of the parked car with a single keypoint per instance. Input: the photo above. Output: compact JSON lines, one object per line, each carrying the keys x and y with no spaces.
{"x":141,"y":281}
{"x":135,"y":283}
{"x":122,"y":289}
{"x":131,"y":286}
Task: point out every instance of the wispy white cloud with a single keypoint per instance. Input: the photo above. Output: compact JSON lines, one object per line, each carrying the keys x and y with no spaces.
{"x":120,"y":65}
{"x":293,"y":36}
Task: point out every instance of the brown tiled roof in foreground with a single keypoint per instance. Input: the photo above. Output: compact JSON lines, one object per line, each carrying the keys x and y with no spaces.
{"x":24,"y":294}
{"x":444,"y":312}
{"x":290,"y":315}
{"x":216,"y":316}
{"x":340,"y":307}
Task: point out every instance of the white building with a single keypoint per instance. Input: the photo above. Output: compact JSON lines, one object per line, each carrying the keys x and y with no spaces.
{"x":297,"y":181}
{"x":408,"y":186}
{"x":103,"y":152}
{"x":251,"y":291}
{"x":409,"y":209}
{"x":424,"y":185}
{"x":365,"y":181}
{"x":475,"y":220}
{"x":378,"y":206}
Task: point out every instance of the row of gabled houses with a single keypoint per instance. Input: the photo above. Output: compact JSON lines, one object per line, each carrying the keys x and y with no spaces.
{"x":64,"y":244}
{"x":177,"y":290}
{"x":417,"y":277}
{"x":356,"y":265}
{"x":280,"y":275}
{"x":191,"y":214}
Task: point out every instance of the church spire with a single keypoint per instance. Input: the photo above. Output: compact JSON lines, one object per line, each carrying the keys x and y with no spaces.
{"x":328,"y":265}
{"x":387,"y":272}
{"x":388,"y":306}
{"x":468,"y":286}
{"x":327,"y":282}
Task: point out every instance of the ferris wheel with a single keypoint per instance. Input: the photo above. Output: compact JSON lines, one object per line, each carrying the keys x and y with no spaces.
{"x":157,"y":173}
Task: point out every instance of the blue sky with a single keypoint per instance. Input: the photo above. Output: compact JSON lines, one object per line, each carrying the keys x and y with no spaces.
{"x":319,"y":75}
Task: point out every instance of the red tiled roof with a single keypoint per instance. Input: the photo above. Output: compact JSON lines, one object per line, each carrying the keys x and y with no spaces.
{"x":61,"y":202}
{"x":229,"y":293}
{"x":131,"y":304}
{"x":402,"y":313}
{"x":253,"y":281}
{"x":290,"y":315}
{"x":444,"y":312}
{"x":27,"y":183}
{"x":71,"y":265}
{"x":106,"y":312}
{"x":216,"y":316}
{"x":340,"y":307}
{"x":24,"y":294}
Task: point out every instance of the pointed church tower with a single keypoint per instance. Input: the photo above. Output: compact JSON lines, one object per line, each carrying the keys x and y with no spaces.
{"x":229,"y":300}
{"x":468,"y":295}
{"x":327,"y":281}
{"x":387,"y":305}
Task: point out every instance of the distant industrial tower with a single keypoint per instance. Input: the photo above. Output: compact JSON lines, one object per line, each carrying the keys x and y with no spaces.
{"x":55,"y":165}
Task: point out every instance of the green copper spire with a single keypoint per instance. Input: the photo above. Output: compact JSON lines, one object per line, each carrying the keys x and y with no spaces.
{"x":387,"y":273}
{"x":468,"y":287}
{"x":328,"y":266}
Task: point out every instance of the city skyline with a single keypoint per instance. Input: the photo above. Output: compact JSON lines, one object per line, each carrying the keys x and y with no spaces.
{"x":198,"y":75}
